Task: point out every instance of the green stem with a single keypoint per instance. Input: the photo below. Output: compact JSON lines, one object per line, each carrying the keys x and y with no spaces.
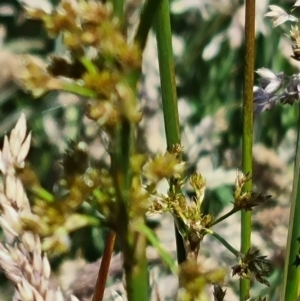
{"x":224,"y":242}
{"x":89,"y":65}
{"x":169,"y":95}
{"x":79,"y":90}
{"x":221,"y":218}
{"x":291,"y":271}
{"x":136,"y":270}
{"x":146,"y":21}
{"x":167,"y":74}
{"x":133,"y":243}
{"x":247,"y":132}
{"x":169,"y":261}
{"x":42,"y":193}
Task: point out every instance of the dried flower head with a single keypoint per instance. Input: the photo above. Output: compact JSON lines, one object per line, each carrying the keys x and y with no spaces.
{"x":246,"y":200}
{"x":198,"y":183}
{"x":254,"y":263}
{"x":219,"y":294}
{"x":35,"y":78}
{"x":295,"y":38}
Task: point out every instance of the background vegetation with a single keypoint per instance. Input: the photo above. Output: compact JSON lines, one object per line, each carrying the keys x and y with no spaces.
{"x":208,"y":45}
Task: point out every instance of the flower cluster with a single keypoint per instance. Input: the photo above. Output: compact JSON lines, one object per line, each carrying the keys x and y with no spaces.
{"x":163,"y":166}
{"x":193,"y":278}
{"x":219,"y":293}
{"x":246,"y":200}
{"x":190,"y":220}
{"x":277,"y":87}
{"x":255,"y":263}
{"x":99,"y":62}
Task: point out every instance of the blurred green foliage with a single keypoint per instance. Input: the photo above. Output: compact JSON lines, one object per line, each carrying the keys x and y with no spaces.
{"x":213,"y":80}
{"x":208,"y":84}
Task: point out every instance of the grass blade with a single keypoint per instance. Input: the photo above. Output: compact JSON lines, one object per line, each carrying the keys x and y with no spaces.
{"x":291,"y":271}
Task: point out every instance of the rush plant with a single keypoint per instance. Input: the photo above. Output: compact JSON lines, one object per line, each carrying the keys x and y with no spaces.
{"x":103,"y":66}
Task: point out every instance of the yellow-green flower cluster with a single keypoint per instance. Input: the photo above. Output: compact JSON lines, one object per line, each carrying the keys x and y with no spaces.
{"x":99,"y":62}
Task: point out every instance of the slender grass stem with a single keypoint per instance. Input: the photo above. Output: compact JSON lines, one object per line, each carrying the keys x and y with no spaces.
{"x":247,"y":132}
{"x":169,"y":95}
{"x":78,"y":90}
{"x":223,"y":242}
{"x":167,"y":74}
{"x":146,"y":21}
{"x":290,"y":289}
{"x":133,"y":243}
{"x":42,"y":193}
{"x":169,"y":261}
{"x":221,"y":218}
{"x":104,"y":267}
{"x":137,"y":274}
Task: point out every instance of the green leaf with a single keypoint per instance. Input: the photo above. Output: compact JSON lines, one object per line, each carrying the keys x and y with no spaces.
{"x":76,"y":221}
{"x":169,"y":261}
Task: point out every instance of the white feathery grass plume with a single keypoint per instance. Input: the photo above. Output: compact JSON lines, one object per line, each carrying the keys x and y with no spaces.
{"x":21,"y":255}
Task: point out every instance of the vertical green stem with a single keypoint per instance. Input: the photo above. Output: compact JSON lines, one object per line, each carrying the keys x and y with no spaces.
{"x":167,"y":74}
{"x":137,"y":273}
{"x":133,"y":244}
{"x":291,"y":271}
{"x":168,"y":90}
{"x":247,"y":131}
{"x":146,"y":21}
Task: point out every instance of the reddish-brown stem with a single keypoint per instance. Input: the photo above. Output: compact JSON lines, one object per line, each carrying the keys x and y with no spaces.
{"x":104,"y":267}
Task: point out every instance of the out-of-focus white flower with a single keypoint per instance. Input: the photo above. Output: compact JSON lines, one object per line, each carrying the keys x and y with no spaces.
{"x":297,"y":4}
{"x":213,"y":48}
{"x":44,"y":5}
{"x":271,"y":82}
{"x":279,"y":15}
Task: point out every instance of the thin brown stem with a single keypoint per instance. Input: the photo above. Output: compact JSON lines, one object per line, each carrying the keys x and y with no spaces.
{"x":104,"y":267}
